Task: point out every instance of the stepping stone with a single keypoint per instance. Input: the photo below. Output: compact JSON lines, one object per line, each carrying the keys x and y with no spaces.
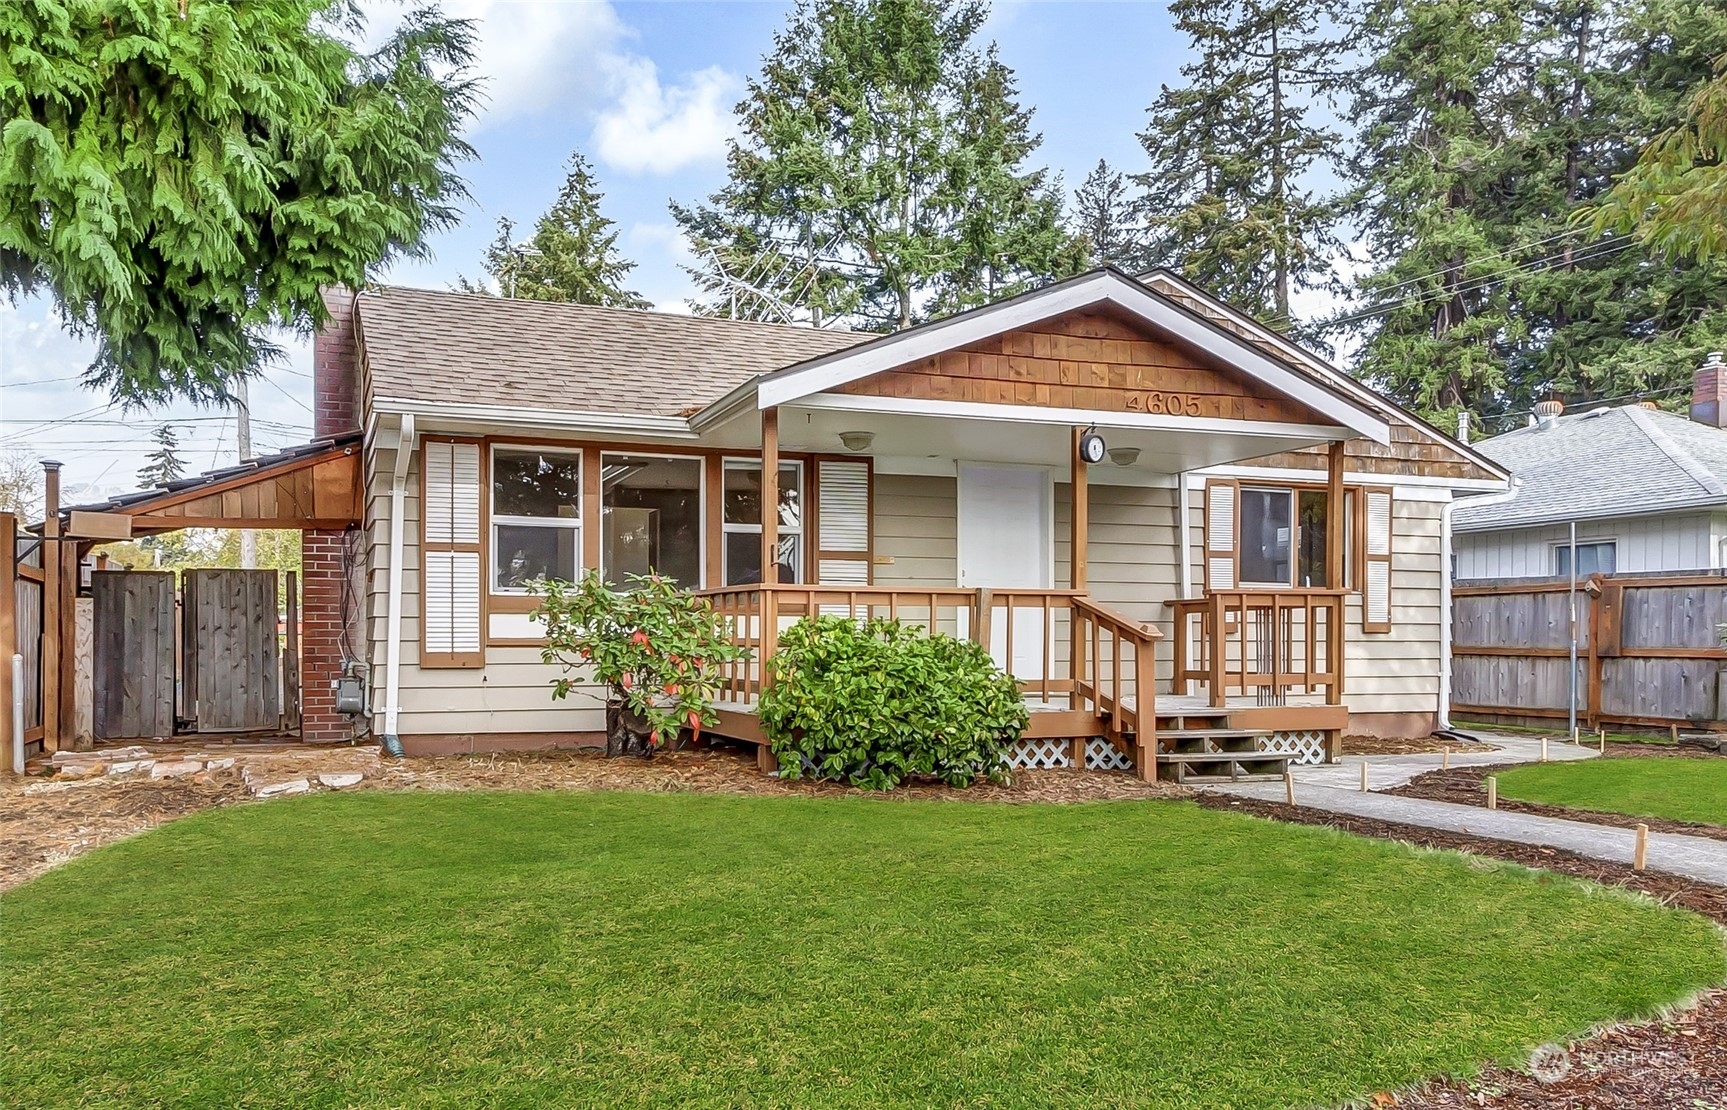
{"x":178,"y":768}
{"x":335,"y":780}
{"x":278,"y":789}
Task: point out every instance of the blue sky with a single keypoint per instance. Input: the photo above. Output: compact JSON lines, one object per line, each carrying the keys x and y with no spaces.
{"x":646,"y":91}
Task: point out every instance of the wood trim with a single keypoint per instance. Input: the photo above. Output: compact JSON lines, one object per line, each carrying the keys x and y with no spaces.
{"x":590,"y":509}
{"x":8,"y":629}
{"x":713,"y":520}
{"x":458,"y":660}
{"x":1335,"y":513}
{"x":770,"y":486}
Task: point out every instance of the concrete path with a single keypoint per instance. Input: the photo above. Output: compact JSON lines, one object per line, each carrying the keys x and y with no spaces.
{"x":1337,"y":788}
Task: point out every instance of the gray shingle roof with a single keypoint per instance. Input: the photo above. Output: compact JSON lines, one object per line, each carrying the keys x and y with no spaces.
{"x":424,"y":345}
{"x":1628,"y":461}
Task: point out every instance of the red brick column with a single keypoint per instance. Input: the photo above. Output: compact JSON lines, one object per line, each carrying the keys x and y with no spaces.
{"x":336,"y":369}
{"x":321,"y":637}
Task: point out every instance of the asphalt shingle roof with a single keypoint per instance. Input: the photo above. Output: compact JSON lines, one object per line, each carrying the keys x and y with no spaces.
{"x":1628,"y":461}
{"x":423,"y":345}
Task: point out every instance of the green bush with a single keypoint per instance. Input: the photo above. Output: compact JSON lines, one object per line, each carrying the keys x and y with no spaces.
{"x":876,"y":703}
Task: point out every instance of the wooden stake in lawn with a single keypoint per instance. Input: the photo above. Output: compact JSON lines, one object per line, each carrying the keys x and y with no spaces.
{"x":1364,"y":776}
{"x":1289,"y":787}
{"x":1445,"y":760}
{"x":1492,"y":791}
{"x":1674,"y":730}
{"x":1640,"y":855}
{"x":1544,"y":749}
{"x":1574,"y":734}
{"x":1603,"y":741}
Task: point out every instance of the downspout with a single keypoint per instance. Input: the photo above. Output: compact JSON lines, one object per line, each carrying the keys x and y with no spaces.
{"x":393,"y":623}
{"x":1445,"y":551}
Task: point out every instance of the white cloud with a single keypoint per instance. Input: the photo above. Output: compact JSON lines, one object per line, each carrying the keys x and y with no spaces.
{"x":673,"y":290}
{"x":655,"y":128}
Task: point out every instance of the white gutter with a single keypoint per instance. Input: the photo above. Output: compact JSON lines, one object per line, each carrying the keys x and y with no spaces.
{"x":619,"y":423}
{"x":1445,"y":589}
{"x":393,"y":622}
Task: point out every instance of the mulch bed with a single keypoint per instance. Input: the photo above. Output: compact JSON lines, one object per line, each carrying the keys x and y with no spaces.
{"x":1467,"y":786}
{"x":1680,"y":1061}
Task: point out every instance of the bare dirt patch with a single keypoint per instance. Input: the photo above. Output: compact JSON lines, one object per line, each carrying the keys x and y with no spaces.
{"x":46,"y":821}
{"x":1679,"y":1061}
{"x":1425,"y":745}
{"x":1468,"y":786}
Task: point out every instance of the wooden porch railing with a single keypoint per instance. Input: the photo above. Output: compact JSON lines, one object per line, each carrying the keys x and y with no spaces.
{"x":1095,"y":660}
{"x":1262,"y":643}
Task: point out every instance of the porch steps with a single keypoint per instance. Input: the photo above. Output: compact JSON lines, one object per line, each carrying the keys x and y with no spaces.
{"x":1198,"y":746}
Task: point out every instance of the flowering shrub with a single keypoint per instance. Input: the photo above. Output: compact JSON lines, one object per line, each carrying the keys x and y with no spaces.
{"x":878,"y":702}
{"x":656,"y":647}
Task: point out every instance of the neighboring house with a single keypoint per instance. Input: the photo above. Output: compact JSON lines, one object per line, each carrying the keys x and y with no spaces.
{"x":1646,"y":489}
{"x":1275,"y":504}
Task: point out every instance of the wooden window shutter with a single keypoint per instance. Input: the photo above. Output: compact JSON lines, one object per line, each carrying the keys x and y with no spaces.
{"x":844,"y":529}
{"x":1376,"y":560}
{"x":1222,"y":533}
{"x":452,"y":519}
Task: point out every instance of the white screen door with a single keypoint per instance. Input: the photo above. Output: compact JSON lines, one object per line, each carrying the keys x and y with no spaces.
{"x":1005,"y":534}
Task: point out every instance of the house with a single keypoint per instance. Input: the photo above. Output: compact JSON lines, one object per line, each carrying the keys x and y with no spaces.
{"x":1194,"y":543}
{"x":1257,"y":536}
{"x":1646,"y":489}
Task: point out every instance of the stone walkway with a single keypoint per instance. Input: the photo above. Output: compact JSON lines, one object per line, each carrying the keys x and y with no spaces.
{"x":1337,"y":788}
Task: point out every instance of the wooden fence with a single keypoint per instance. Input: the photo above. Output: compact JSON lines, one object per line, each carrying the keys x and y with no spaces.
{"x":1648,"y":649}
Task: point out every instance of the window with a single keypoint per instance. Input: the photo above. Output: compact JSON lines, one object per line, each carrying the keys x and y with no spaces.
{"x":1592,"y":558}
{"x":651,"y":518}
{"x":743,"y":523}
{"x":1267,"y":529}
{"x":536,"y":516}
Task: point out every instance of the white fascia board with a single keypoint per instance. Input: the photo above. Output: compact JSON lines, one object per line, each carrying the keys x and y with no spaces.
{"x":1104,"y":287}
{"x":509,"y":419}
{"x":740,"y":400}
{"x":1196,"y":478}
{"x":1029,"y":414}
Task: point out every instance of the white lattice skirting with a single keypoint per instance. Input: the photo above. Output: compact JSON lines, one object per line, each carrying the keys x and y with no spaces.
{"x":1044,"y":755}
{"x":1039,"y":755}
{"x":1302,"y":747}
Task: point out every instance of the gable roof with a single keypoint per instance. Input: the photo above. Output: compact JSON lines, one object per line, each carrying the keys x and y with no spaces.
{"x":1105,"y":286}
{"x":1197,"y":300}
{"x":1628,"y":461}
{"x":426,"y":345}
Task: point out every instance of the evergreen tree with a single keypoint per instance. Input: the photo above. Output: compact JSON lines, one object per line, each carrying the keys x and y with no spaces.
{"x":1230,"y":198}
{"x":572,"y":255}
{"x":165,"y":463}
{"x":1434,"y":172}
{"x":1106,"y":218}
{"x":182,"y":178}
{"x":880,"y":174}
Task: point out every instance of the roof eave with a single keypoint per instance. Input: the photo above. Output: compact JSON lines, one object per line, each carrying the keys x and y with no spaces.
{"x":1541,"y":520}
{"x":561,"y":420}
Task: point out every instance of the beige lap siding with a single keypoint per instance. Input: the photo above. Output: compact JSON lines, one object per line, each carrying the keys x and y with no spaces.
{"x":512,"y":693}
{"x":916,"y":525}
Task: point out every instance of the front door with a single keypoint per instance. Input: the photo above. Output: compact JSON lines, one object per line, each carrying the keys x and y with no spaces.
{"x":1005,"y":540}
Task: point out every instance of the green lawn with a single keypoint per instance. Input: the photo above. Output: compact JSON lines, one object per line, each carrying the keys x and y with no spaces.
{"x":1677,"y":789}
{"x":577,"y":950}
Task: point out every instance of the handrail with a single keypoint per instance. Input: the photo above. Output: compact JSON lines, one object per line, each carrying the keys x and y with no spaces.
{"x":1262,"y":642}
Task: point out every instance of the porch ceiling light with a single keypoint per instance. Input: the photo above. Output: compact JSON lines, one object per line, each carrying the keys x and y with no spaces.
{"x":857,"y":441}
{"x":1124,"y":456}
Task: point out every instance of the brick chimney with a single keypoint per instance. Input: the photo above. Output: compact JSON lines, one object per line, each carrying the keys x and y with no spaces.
{"x":1709,"y":392}
{"x":336,"y":368}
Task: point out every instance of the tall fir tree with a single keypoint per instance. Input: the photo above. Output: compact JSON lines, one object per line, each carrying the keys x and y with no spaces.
{"x":1106,"y":218}
{"x":1434,"y":169}
{"x":880,"y":174}
{"x":165,"y":464}
{"x":1231,"y":199}
{"x":572,"y":255}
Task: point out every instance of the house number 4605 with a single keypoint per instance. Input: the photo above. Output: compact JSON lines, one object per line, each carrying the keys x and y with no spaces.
{"x":1164,"y":404}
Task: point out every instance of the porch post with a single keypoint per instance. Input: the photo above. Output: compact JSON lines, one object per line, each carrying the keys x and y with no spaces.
{"x":770,"y":495}
{"x":1081,"y":515}
{"x":1335,"y":537}
{"x":49,"y":665}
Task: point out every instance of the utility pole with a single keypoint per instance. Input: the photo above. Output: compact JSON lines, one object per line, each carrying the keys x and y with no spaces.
{"x":243,"y":431}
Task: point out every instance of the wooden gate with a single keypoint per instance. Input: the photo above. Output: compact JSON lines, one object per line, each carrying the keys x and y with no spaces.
{"x":133,"y":647}
{"x":233,"y":659}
